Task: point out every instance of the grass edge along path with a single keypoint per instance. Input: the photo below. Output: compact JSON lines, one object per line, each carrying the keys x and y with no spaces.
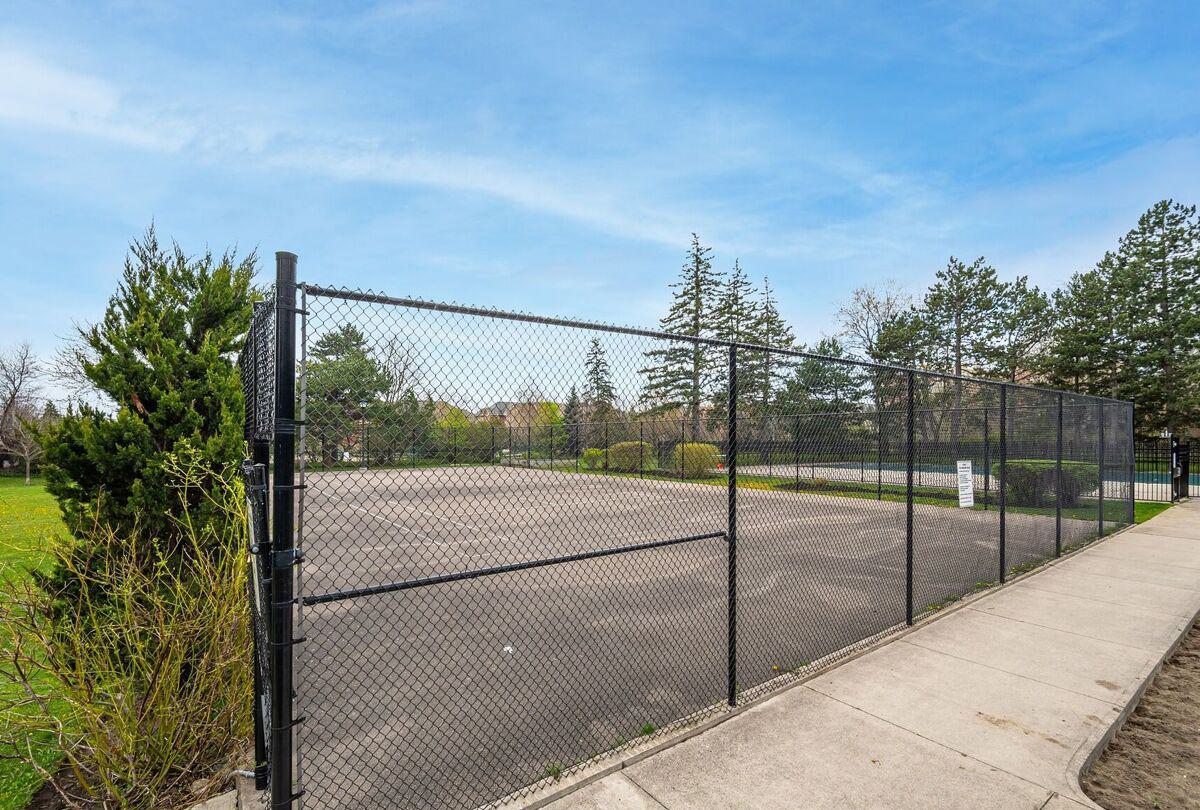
{"x":29,"y":518}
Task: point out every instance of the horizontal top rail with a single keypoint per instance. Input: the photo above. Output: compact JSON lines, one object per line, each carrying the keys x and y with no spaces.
{"x":499,"y":314}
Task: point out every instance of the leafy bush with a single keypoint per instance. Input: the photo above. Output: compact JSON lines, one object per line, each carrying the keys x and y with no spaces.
{"x":696,"y":459}
{"x":1030,"y":481}
{"x":592,"y":458}
{"x":148,"y":691}
{"x":631,"y":456}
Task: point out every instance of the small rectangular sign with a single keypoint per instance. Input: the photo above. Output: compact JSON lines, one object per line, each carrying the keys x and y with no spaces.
{"x":966,"y":485}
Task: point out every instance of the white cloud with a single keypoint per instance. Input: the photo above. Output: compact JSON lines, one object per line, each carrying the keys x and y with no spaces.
{"x":36,"y":94}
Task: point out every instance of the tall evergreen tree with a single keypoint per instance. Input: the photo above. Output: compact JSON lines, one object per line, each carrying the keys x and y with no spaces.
{"x":1155,"y":284}
{"x":676,"y":373}
{"x":1024,"y":319}
{"x":1130,"y":327}
{"x":772,"y":330}
{"x":736,"y":318}
{"x":598,"y":394}
{"x":572,"y":417}
{"x":1082,"y":356}
{"x":959,"y":312}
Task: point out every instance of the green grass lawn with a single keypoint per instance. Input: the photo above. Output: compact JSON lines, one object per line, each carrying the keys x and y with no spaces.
{"x":29,"y":517}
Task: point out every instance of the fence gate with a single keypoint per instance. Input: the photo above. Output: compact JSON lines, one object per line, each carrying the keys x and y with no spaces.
{"x":491,"y":549}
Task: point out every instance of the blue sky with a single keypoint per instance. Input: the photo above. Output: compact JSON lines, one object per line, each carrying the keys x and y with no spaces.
{"x":555,"y":158}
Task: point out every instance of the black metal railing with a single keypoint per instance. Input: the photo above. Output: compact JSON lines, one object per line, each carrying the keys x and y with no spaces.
{"x":505,"y":546}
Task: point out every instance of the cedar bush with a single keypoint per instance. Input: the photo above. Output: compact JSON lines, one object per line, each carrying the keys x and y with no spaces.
{"x":631,"y":457}
{"x":1030,"y":481}
{"x":592,"y":458}
{"x":163,"y":355}
{"x":696,"y":459}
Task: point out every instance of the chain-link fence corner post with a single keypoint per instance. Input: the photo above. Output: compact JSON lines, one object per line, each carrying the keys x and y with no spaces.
{"x":731,"y":449}
{"x":1100,"y":489}
{"x":1003,"y":482}
{"x":1129,"y":503}
{"x":908,"y":452}
{"x":283,"y":556}
{"x":1058,"y":478}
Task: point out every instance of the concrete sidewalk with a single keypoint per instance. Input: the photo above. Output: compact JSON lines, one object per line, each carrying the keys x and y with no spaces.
{"x":999,"y":704}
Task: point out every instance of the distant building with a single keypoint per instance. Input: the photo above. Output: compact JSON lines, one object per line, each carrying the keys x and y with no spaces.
{"x":519,"y":414}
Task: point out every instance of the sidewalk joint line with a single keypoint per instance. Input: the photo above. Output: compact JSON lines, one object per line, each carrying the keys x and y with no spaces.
{"x":1009,"y":672}
{"x":1100,"y":601}
{"x":1048,"y":627}
{"x":625,"y":772}
{"x":1138,"y":581}
{"x":938,"y":743}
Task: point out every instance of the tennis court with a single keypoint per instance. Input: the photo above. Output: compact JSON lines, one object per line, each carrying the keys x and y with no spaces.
{"x":405,"y":693}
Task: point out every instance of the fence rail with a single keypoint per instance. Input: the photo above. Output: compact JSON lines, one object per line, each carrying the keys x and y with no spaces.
{"x":505,"y":546}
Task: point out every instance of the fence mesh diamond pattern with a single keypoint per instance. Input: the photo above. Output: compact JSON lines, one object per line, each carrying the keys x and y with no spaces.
{"x":528,"y":543}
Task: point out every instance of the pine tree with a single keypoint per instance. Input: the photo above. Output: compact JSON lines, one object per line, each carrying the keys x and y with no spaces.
{"x":1155,"y":284}
{"x":573,"y":417}
{"x":773,"y":331}
{"x":598,"y":394}
{"x":1024,"y":318}
{"x":959,"y":311}
{"x":676,"y":374}
{"x":736,"y":319}
{"x":1083,"y":353}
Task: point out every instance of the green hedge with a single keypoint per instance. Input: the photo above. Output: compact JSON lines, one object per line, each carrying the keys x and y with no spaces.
{"x":1030,"y":481}
{"x":631,"y":456}
{"x":592,"y":458}
{"x":696,"y":459}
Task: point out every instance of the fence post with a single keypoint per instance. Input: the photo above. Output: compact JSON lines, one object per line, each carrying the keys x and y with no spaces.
{"x":1172,"y":465}
{"x":1129,"y":516}
{"x":529,"y":445}
{"x":731,"y":527}
{"x":1058,"y":479}
{"x":908,"y":554}
{"x":492,"y":460}
{"x":1100,"y":489}
{"x":987,"y":461}
{"x":283,"y":556}
{"x":682,"y":442}
{"x":641,"y":448}
{"x":260,"y":455}
{"x":1003,"y":478}
{"x":878,"y":453}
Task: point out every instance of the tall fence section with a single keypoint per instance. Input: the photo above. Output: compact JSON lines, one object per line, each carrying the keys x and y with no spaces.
{"x":491,"y":548}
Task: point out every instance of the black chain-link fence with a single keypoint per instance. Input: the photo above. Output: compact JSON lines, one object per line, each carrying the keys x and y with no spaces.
{"x":527,"y":543}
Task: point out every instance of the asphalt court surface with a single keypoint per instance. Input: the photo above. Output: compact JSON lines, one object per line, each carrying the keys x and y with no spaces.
{"x":455,"y":694}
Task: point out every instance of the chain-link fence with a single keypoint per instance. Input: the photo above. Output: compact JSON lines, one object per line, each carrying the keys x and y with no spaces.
{"x":523,"y":544}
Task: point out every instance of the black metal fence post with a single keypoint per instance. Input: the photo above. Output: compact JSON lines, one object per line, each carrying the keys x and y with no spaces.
{"x":283,"y":556}
{"x":1058,"y":480}
{"x":987,"y":461}
{"x":1003,"y":478}
{"x":908,"y":555}
{"x":1100,"y":489}
{"x":1132,"y":467}
{"x":878,"y":454}
{"x":731,"y":448}
{"x":260,"y":455}
{"x":1173,"y":466}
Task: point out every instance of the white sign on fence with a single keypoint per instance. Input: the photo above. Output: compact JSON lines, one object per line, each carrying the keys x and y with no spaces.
{"x":966,"y":485}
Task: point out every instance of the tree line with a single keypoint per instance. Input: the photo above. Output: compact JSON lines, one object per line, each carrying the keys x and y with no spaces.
{"x":1129,"y":328}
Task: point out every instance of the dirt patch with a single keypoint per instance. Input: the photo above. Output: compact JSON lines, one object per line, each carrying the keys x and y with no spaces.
{"x":1154,"y":761}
